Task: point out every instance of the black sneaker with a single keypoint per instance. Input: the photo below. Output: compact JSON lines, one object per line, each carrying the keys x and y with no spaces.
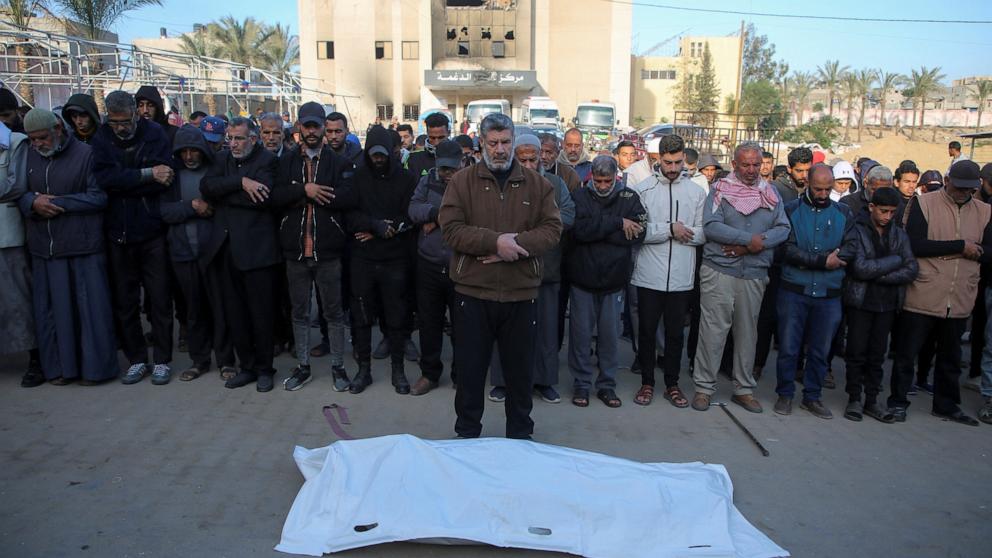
{"x":548,"y":394}
{"x":264,"y":383}
{"x":33,"y":377}
{"x":898,"y":414}
{"x":497,"y":394}
{"x":340,"y":376}
{"x":299,"y":377}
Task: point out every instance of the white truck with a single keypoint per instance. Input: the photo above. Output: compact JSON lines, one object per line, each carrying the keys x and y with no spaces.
{"x":477,"y":110}
{"x":597,"y":120}
{"x":540,"y":112}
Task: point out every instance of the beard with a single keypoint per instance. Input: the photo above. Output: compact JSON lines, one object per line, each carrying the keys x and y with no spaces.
{"x":248,"y":150}
{"x":497,"y":167}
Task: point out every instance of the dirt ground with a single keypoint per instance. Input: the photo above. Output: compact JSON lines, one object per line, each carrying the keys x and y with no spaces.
{"x":892,"y":149}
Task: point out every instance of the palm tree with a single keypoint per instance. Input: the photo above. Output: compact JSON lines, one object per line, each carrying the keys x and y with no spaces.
{"x":887,"y":81}
{"x":850,"y":90}
{"x":831,"y":74}
{"x":983,"y":90}
{"x":281,"y":51}
{"x":865,"y":79}
{"x":802,"y":84}
{"x":240,"y":41}
{"x":20,"y":13}
{"x":926,"y":82}
{"x":91,"y":18}
{"x":199,"y":44}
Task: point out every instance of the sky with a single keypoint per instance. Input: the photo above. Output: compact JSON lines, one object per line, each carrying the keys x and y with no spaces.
{"x":960,"y":50}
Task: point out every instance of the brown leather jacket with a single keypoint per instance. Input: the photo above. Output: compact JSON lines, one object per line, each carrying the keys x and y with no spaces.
{"x":475,"y":211}
{"x":947,"y":284}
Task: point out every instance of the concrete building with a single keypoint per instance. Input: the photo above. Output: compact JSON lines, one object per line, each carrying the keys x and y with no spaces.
{"x":385,"y":58}
{"x":654,"y":80}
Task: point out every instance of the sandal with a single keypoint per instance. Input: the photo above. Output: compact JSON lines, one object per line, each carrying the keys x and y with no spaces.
{"x":675,"y":396}
{"x":609,"y":398}
{"x":190,"y":374}
{"x":580,"y":398}
{"x":644,"y":395}
{"x":228,"y":372}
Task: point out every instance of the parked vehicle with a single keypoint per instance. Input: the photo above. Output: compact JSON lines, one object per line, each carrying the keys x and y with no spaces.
{"x":540,"y":112}
{"x":477,"y":110}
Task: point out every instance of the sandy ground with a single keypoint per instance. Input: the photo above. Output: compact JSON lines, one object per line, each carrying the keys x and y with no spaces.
{"x":892,"y":149}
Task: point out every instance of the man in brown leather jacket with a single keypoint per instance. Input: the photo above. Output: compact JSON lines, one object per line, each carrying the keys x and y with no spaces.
{"x":499,"y":218}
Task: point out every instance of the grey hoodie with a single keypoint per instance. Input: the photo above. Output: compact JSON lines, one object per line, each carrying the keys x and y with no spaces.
{"x":188,"y":232}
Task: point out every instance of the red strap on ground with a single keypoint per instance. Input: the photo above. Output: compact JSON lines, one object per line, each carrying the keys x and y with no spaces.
{"x":334,"y":422}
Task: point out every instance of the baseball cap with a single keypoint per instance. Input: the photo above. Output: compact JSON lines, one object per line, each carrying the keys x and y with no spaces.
{"x":378,"y":149}
{"x":932,"y":180}
{"x":311,"y":113}
{"x":965,"y":174}
{"x":819,"y":157}
{"x":213,"y":129}
{"x":842,"y":170}
{"x":448,"y":154}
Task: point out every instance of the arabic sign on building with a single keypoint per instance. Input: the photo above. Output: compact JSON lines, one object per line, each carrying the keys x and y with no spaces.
{"x":510,"y":79}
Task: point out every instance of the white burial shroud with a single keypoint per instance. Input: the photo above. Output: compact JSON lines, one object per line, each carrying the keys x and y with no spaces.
{"x":514,"y":493}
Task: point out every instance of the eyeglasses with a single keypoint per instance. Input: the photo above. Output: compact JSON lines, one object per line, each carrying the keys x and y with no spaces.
{"x":238,"y":139}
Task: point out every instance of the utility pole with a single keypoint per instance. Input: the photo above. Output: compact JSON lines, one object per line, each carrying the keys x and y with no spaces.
{"x":740,"y":86}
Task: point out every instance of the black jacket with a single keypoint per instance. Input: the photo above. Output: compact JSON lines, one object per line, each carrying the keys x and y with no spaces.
{"x":132,"y":207}
{"x":599,"y":259}
{"x":176,"y":204}
{"x":80,"y":102}
{"x":150,"y":93}
{"x":250,"y":226}
{"x":290,"y":196}
{"x":896,"y":270}
{"x":382,"y":196}
{"x":420,"y":163}
{"x":67,"y":176}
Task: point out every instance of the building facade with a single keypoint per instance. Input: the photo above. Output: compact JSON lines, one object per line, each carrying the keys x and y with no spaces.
{"x":384,"y":58}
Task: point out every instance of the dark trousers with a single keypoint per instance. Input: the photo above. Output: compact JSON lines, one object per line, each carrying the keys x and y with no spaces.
{"x":979,"y":316}
{"x":867,"y":341}
{"x":946,"y":391}
{"x":435,"y":294}
{"x":767,"y":318}
{"x":206,"y":328}
{"x":511,"y":325}
{"x":653,"y":307}
{"x":811,"y":320}
{"x":131,"y":267}
{"x":379,"y":287}
{"x":248,"y":299}
{"x":695,"y":312}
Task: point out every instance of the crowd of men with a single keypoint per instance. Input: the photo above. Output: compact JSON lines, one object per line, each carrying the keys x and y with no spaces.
{"x":509,"y":243}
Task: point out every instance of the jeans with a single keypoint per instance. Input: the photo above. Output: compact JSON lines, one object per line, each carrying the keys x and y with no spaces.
{"x":133,"y":267}
{"x":867,"y":341}
{"x":599,"y":312}
{"x":379,"y":286}
{"x":917,"y":327}
{"x":815,"y":321}
{"x":302,"y":276}
{"x":435,"y":294}
{"x":670,"y":308}
{"x":511,"y":326}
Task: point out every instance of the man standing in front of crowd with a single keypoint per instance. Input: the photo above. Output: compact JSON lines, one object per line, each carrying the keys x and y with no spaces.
{"x":63,"y":208}
{"x":791,"y":184}
{"x":575,"y":155}
{"x":499,"y":219}
{"x":243,"y":253}
{"x":665,"y":268}
{"x":438,"y":130}
{"x":609,"y":221}
{"x":951,"y":236}
{"x":188,"y":217}
{"x":550,"y":152}
{"x":743,"y":220}
{"x":80,"y":113}
{"x":820,"y":245}
{"x":314,"y":190}
{"x":380,"y":257}
{"x":133,"y":164}
{"x":435,"y":290}
{"x":882,"y":266}
{"x":336,"y":135}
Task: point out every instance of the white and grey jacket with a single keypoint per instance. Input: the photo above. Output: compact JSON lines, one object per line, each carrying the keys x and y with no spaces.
{"x":663,"y":263}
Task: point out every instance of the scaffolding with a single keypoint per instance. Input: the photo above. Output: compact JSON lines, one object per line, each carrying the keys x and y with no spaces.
{"x":57,"y":66}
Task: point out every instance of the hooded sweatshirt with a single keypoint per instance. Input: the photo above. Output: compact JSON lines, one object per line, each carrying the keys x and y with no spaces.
{"x":383,"y":201}
{"x":583,"y":168}
{"x":150,"y":93}
{"x":188,"y":232}
{"x":81,"y":102}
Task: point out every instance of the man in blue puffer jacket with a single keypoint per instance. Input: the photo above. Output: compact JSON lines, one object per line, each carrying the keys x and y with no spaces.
{"x":819,"y":247}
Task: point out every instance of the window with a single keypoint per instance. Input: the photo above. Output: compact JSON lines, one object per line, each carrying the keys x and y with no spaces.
{"x":383,"y":50}
{"x":384,"y":112}
{"x":463,"y":48}
{"x":695,"y":50}
{"x":411,"y":112}
{"x":411,"y":50}
{"x":499,"y":49}
{"x":325,"y":50}
{"x":657,"y":74}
